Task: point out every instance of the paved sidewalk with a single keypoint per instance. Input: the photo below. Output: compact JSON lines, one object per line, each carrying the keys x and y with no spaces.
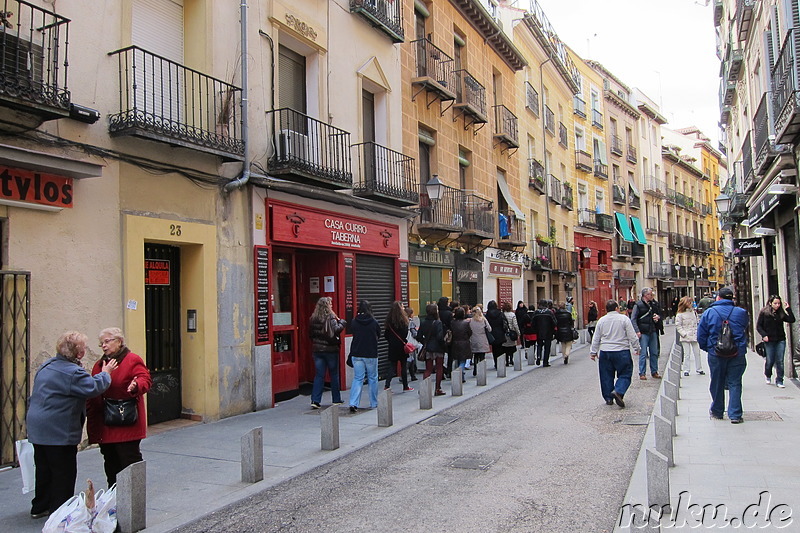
{"x":195,"y":470}
{"x":719,"y":463}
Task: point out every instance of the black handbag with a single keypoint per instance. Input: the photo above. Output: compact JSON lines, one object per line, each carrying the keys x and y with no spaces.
{"x":574,"y":334}
{"x":120,"y":412}
{"x":761,"y":349}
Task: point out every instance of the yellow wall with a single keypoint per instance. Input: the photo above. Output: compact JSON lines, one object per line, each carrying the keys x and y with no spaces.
{"x":199,"y":362}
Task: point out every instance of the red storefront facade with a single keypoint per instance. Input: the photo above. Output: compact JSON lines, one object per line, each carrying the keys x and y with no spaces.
{"x":595,"y":272}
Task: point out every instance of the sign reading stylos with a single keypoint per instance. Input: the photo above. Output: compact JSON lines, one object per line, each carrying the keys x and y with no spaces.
{"x":300,"y":225}
{"x":35,"y":187}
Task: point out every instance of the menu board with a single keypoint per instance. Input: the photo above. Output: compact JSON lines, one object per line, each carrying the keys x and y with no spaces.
{"x":261,"y":264}
{"x":348,"y":288}
{"x":404,"y":282}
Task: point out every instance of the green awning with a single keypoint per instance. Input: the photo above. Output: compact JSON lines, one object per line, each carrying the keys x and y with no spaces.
{"x":624,"y":227}
{"x":638,"y":230}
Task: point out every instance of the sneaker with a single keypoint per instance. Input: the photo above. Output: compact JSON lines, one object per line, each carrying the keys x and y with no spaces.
{"x":685,"y":372}
{"x":737,"y":420}
{"x":315,"y":405}
{"x":340,"y":402}
{"x":780,"y":385}
{"x":407,"y":389}
{"x":768,"y":381}
{"x":353,"y":409}
{"x":439,"y":392}
{"x":701,"y":372}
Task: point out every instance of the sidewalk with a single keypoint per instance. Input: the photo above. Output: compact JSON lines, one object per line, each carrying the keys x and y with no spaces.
{"x":719,"y":463}
{"x":195,"y":470}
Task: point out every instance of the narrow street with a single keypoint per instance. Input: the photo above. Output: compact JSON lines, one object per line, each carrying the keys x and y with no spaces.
{"x":541,"y":453}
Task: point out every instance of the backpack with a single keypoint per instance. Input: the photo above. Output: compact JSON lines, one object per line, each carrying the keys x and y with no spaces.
{"x":726,"y":346}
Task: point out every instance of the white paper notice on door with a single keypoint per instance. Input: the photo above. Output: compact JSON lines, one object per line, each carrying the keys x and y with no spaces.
{"x":313,"y":285}
{"x":328,"y":284}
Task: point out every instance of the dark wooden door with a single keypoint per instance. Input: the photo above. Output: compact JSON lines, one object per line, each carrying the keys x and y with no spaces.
{"x":163,"y":330}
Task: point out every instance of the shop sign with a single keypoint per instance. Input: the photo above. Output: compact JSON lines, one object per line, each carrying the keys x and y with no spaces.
{"x":35,"y":187}
{"x":423,"y":256}
{"x":404,"y":282}
{"x":747,"y":247}
{"x":156,"y":272}
{"x":261,"y":260}
{"x":762,"y":208}
{"x":625,"y":274}
{"x":681,"y":283}
{"x":504,"y":269}
{"x":299,"y":225}
{"x":604,"y":275}
{"x":469,"y":275}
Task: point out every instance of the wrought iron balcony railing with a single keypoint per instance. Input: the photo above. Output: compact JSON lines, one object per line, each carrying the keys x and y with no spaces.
{"x":616,"y":145}
{"x":549,"y":120}
{"x":568,"y":200}
{"x":618,"y":194}
{"x":531,"y":98}
{"x":597,"y":119}
{"x":785,"y":91}
{"x":309,"y":149}
{"x":654,"y":186}
{"x":536,"y":175}
{"x":600,"y":169}
{"x":563,"y":260}
{"x":510,"y":230}
{"x":631,"y":154}
{"x":505,"y":126}
{"x":434,"y":70}
{"x":556,"y":194}
{"x":748,"y":176}
{"x":446,"y":214}
{"x":605,"y":222}
{"x":579,"y":106}
{"x":542,"y":256}
{"x":479,"y":217}
{"x":766,"y":150}
{"x":623,"y":247}
{"x":651,"y":225}
{"x":659,"y":270}
{"x":633,"y":200}
{"x":385,"y":175}
{"x":637,"y":250}
{"x":583,"y":161}
{"x":470,"y":97}
{"x":386,"y":15}
{"x":34,"y":46}
{"x":165,"y":101}
{"x":562,"y":135}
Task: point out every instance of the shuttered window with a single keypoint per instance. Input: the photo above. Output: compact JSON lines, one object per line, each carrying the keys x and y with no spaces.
{"x":291,"y":80}
{"x":375,"y":283}
{"x":158,"y":27}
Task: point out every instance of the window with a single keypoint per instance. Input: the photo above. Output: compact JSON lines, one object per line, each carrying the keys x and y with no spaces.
{"x":599,"y":201}
{"x":580,"y":140}
{"x":291,"y":79}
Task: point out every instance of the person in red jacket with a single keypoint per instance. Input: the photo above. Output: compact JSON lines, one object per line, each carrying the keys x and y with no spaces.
{"x":119,"y":444}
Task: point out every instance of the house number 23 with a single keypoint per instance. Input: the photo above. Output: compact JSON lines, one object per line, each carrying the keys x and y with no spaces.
{"x":175,"y":229}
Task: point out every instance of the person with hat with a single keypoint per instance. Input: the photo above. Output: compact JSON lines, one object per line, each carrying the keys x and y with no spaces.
{"x":726,"y":372}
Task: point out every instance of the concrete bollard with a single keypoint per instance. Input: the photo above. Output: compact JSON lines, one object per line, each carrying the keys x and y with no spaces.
{"x":253,"y":455}
{"x":456,"y":382}
{"x":500,"y":364}
{"x":530,"y":355}
{"x":657,"y":479}
{"x":518,"y":360}
{"x":426,"y":393}
{"x":329,"y":424}
{"x":669,"y":410}
{"x":132,"y":498}
{"x":671,"y":390}
{"x":663,"y":437}
{"x":481,"y":373}
{"x":385,"y":418}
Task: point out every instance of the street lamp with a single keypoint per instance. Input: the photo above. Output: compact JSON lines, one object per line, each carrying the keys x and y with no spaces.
{"x":434,"y":188}
{"x":586,"y":252}
{"x":723,"y":202}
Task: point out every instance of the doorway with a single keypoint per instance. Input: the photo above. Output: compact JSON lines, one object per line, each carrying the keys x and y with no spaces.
{"x":163,"y":331}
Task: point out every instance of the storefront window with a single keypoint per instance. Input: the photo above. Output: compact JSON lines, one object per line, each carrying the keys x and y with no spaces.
{"x":282,"y":290}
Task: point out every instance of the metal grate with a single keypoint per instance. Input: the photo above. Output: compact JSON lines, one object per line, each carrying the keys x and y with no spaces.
{"x":762,"y":416}
{"x":472,"y":463}
{"x":14,"y":359}
{"x":439,"y":420}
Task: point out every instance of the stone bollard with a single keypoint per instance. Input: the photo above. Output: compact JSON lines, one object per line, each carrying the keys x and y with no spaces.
{"x":518,"y":360}
{"x":426,"y":393}
{"x":671,"y":390}
{"x":385,"y":418}
{"x":329,"y":424}
{"x":253,"y":455}
{"x":663,"y":436}
{"x":669,"y":410}
{"x":132,"y":498}
{"x":530,"y":354}
{"x":456,"y":382}
{"x":481,"y":373}
{"x":657,"y":479}
{"x":500,"y":364}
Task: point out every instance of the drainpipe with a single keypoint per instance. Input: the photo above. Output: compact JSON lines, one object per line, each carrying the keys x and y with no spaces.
{"x":544,"y":149}
{"x":245,"y":177}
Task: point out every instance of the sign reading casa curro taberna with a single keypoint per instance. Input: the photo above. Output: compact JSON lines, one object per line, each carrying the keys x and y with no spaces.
{"x":28,"y":186}
{"x":747,"y":247}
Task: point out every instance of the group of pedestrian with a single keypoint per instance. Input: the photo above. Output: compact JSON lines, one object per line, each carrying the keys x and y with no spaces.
{"x":65,"y":396}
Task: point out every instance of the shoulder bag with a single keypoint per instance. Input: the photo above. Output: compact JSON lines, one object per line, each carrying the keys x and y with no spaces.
{"x":120,"y":412}
{"x":407,"y":346}
{"x":489,"y":336}
{"x":423,"y":353}
{"x":510,"y":333}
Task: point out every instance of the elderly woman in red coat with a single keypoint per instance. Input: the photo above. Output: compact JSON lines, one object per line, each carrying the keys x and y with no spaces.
{"x":119,"y":444}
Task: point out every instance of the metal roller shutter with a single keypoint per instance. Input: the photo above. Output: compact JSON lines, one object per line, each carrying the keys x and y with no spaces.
{"x":375,"y":283}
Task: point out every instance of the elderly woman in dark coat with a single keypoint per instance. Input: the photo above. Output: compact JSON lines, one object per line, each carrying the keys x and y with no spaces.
{"x":55,"y":419}
{"x":461,"y":349}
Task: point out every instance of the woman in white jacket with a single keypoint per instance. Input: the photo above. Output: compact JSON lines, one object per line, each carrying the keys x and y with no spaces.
{"x":686,"y":321}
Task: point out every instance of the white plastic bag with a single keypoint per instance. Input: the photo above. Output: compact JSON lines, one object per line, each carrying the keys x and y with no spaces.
{"x":71,"y":517}
{"x":105,"y":520}
{"x":26,"y":465}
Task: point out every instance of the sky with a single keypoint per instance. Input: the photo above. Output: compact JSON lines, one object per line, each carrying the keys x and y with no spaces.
{"x":667,"y":49}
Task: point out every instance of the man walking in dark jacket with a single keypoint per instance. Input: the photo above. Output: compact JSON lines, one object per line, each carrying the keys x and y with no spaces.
{"x":645,"y":318}
{"x":725,"y":371}
{"x":544,"y":324}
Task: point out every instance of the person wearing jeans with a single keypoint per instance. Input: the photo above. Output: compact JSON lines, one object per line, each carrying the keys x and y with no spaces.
{"x":645,"y":320}
{"x":614,"y":340}
{"x":325,"y":330}
{"x":770,"y":327}
{"x":364,"y":367}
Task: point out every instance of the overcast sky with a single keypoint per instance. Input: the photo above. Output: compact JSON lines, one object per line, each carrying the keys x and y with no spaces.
{"x":665,"y":48}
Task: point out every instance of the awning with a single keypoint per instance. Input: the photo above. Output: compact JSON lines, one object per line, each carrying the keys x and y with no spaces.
{"x":638,"y":230}
{"x":623,"y":227}
{"x":501,"y":182}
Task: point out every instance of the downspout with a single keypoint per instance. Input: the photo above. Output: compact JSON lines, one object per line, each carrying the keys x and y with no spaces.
{"x":544,"y":148}
{"x":245,"y":177}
